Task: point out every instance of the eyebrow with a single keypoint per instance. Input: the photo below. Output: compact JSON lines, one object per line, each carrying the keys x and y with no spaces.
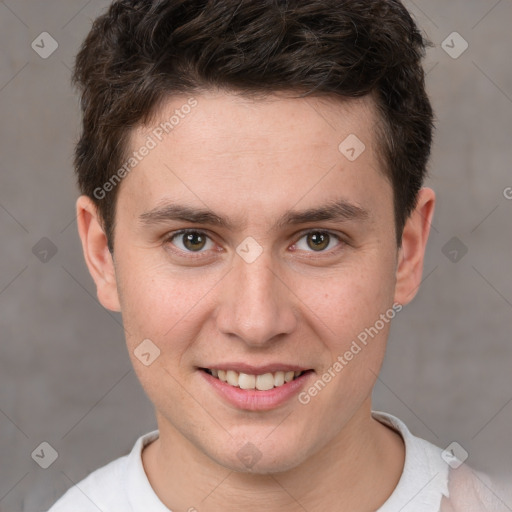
{"x":337,"y":210}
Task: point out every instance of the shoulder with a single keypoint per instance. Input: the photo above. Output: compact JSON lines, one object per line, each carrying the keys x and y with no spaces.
{"x":422,"y":457}
{"x":433,"y":481}
{"x":96,"y":491}
{"x":424,"y":480}
{"x":108,"y":487}
{"x":473,"y":490}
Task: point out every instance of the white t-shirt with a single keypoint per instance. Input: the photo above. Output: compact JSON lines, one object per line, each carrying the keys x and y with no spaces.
{"x":123,"y":486}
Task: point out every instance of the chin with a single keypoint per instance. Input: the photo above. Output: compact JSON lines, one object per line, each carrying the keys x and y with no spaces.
{"x":259,"y":460}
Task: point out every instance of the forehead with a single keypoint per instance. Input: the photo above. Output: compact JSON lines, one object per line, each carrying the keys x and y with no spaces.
{"x":227,"y":121}
{"x":226,"y":151}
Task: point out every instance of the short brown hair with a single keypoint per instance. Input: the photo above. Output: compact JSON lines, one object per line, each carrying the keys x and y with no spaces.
{"x":140,"y":52}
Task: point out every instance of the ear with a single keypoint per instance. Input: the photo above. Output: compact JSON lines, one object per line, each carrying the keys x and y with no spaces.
{"x":97,"y":256}
{"x":412,"y":252}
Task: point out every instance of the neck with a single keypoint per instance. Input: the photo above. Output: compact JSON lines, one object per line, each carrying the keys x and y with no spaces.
{"x":358,"y":469}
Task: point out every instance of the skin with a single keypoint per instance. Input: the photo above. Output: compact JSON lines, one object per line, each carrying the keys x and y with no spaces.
{"x":251,"y":161}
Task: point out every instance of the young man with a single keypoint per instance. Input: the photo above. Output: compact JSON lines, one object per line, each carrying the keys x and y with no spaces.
{"x":252,"y":203}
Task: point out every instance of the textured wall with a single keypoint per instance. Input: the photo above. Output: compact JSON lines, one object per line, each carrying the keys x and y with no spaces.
{"x":65,"y":376}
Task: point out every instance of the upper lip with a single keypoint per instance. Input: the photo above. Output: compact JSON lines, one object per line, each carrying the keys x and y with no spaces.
{"x":257,"y":370}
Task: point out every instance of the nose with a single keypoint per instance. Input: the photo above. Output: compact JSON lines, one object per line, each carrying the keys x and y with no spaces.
{"x":256,"y":305}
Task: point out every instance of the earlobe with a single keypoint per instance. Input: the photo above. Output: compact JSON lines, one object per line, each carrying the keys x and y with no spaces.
{"x":414,"y":242}
{"x":97,"y":256}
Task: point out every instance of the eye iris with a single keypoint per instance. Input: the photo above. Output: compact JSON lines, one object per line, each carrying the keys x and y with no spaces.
{"x":320,"y":240}
{"x":190,"y":241}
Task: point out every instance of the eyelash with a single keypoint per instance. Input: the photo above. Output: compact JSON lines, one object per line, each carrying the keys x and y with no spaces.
{"x":174,"y":234}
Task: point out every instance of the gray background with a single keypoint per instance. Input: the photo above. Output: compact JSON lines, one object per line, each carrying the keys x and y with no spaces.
{"x":65,"y":376}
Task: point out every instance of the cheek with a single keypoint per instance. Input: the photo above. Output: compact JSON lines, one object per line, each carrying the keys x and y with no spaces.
{"x":347,"y":307}
{"x":350,"y":298}
{"x":158,"y":303}
{"x":164,"y":308}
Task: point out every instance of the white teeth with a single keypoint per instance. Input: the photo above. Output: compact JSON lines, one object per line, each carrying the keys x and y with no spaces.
{"x":265,"y":382}
{"x":278,"y":379}
{"x":246,"y":381}
{"x":232,"y":377}
{"x":262,"y":382}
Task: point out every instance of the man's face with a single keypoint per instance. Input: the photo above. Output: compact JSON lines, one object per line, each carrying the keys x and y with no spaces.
{"x":260,"y":290}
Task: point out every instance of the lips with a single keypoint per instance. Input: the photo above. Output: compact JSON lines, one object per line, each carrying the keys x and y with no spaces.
{"x":255,"y":388}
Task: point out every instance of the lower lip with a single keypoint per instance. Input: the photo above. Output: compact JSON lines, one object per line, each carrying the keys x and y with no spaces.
{"x":254,"y":400}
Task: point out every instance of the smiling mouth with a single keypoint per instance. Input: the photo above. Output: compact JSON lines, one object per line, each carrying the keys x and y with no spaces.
{"x":263,"y":382}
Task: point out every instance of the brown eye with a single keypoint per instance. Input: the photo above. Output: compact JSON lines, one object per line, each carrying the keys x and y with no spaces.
{"x":318,"y":240}
{"x":190,"y":241}
{"x":194,"y":241}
